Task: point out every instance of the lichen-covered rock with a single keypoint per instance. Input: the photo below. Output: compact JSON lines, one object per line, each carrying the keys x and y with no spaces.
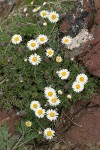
{"x":90,"y":56}
{"x":81,"y":17}
{"x":85,"y":15}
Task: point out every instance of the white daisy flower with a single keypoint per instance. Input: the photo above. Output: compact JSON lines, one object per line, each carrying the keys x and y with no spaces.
{"x":32,"y":45}
{"x":16,"y":39}
{"x":39,"y":112}
{"x":54,"y":101}
{"x":72,"y":59}
{"x":36,"y":9}
{"x":78,"y":87}
{"x":60,"y":92}
{"x":82,"y":78}
{"x":44,"y":14}
{"x":53,"y":17}
{"x":42,"y":39}
{"x":45,"y":24}
{"x":26,"y":14}
{"x":34,"y":59}
{"x":28,"y":123}
{"x":49,"y":133}
{"x":69,"y":96}
{"x":52,"y":115}
{"x":58,"y":59}
{"x":49,"y":52}
{"x":40,"y":132}
{"x":49,"y":92}
{"x":44,"y":3}
{"x":25,"y":9}
{"x":63,"y":74}
{"x":66,"y":40}
{"x":32,"y":2}
{"x":34,"y":105}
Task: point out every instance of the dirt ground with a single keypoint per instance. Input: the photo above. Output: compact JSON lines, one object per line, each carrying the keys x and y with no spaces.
{"x":9,"y":117}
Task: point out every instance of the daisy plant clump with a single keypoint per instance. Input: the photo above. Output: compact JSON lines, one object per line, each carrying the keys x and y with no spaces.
{"x":36,"y":76}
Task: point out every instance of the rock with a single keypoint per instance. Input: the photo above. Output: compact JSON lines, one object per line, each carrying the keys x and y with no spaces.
{"x":97,"y":18}
{"x":75,"y":24}
{"x":85,"y":15}
{"x":88,"y":118}
{"x":89,"y":7}
{"x":89,"y":132}
{"x":96,"y":99}
{"x":81,"y":17}
{"x":90,"y":56}
{"x":97,"y":4}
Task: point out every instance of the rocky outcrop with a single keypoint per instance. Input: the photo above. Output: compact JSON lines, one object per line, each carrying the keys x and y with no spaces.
{"x":85,"y":15}
{"x":81,"y":17}
{"x":79,"y":126}
{"x":90,"y":56}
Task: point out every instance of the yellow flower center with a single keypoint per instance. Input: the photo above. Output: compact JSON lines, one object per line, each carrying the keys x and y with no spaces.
{"x":64,"y":73}
{"x":28,"y":123}
{"x":81,"y":79}
{"x":50,"y":94}
{"x":33,"y":44}
{"x":49,"y":133}
{"x":34,"y":59}
{"x":52,"y":114}
{"x":34,"y":105}
{"x":44,"y":14}
{"x":66,"y":40}
{"x":77,"y":86}
{"x":42,"y":39}
{"x":16,"y":39}
{"x":49,"y":52}
{"x":53,"y":16}
{"x":40,"y":112}
{"x":54,"y":100}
